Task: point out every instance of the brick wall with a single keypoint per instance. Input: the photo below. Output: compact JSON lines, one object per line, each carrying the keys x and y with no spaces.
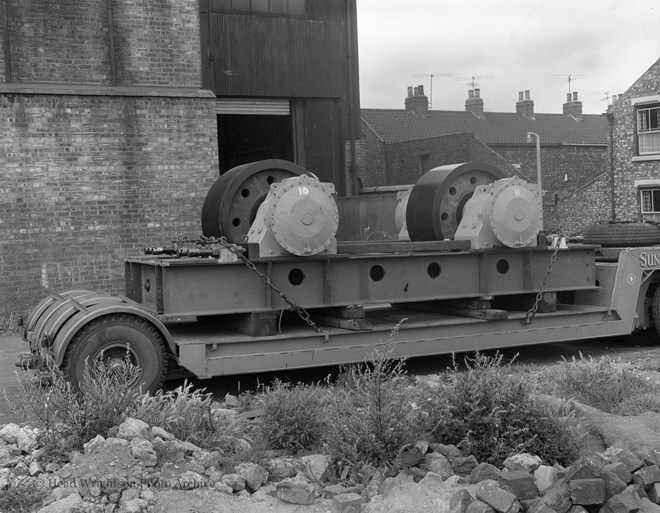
{"x":401,"y":163}
{"x":156,"y":42}
{"x":564,"y":169}
{"x":590,"y":204}
{"x":87,"y":181}
{"x":90,"y":173}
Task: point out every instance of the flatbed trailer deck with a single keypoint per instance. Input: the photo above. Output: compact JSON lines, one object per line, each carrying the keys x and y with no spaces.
{"x":286,"y":294}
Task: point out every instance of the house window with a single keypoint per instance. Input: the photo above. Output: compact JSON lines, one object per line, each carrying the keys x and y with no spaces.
{"x":648,"y":130}
{"x":295,"y":7}
{"x":650,"y":203}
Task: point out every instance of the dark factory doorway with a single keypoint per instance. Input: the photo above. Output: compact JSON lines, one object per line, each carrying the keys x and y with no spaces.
{"x":254,"y":134}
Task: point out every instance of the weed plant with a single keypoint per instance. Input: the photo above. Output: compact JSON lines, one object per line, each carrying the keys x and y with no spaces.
{"x":607,"y":385}
{"x":372,"y":416}
{"x":21,"y":496}
{"x":486,"y":410}
{"x":294,"y":416}
{"x":67,"y":418}
{"x":188,"y":415}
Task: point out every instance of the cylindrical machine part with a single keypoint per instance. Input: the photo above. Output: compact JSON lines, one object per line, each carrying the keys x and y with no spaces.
{"x":232,"y":202}
{"x":302,"y":215}
{"x":435,"y":205}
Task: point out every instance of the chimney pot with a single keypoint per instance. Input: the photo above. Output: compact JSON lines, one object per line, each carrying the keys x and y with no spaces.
{"x":520,"y":95}
{"x":416,"y":101}
{"x":575,"y":96}
{"x":526,"y":94}
{"x":477,"y":92}
{"x":470,"y":93}
{"x":568,"y":97}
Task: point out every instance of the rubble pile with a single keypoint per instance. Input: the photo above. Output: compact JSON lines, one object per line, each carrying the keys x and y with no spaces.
{"x":139,"y":468}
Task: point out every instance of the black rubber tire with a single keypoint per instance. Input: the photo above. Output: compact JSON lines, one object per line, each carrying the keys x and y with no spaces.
{"x":655,"y":309}
{"x":623,"y":234}
{"x":118,"y":333}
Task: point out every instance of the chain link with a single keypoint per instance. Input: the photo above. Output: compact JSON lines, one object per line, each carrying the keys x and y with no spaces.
{"x":532,"y":311}
{"x":299,"y":310}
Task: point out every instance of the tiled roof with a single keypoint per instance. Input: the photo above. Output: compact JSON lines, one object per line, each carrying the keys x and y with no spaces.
{"x":495,"y":128}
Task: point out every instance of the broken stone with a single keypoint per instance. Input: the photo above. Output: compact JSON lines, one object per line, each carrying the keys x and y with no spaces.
{"x":626,"y":456}
{"x":295,"y":492}
{"x":482,"y":472}
{"x":316,"y":466}
{"x":410,"y":457}
{"x":521,"y":482}
{"x":558,"y":497}
{"x":423,"y":446}
{"x":281,"y":468}
{"x":23,"y":438}
{"x":623,"y":503}
{"x":255,"y":475}
{"x":587,"y":491}
{"x":35,"y":468}
{"x":450,"y":452}
{"x":347,"y":503}
{"x":94,"y":444}
{"x":143,"y":451}
{"x":544,"y":477}
{"x":235,"y":481}
{"x":132,"y":428}
{"x":646,"y":476}
{"x":67,"y":504}
{"x":223,"y":488}
{"x":620,"y":469}
{"x":523,"y":461}
{"x":583,"y":468}
{"x":654,"y":493}
{"x":437,"y":463}
{"x":373,"y":487}
{"x":463,"y":465}
{"x":478,"y":507}
{"x":460,"y":501}
{"x":158,"y":431}
{"x":496,"y":497}
{"x":613,"y":484}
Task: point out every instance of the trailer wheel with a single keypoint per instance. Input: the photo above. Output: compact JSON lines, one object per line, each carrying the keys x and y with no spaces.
{"x":113,"y":339}
{"x":626,"y":234}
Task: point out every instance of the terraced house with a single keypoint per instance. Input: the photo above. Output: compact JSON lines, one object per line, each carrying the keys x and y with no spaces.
{"x":399,"y":145}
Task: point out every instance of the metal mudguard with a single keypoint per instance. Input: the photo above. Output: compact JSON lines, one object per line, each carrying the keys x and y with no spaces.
{"x":53,"y":323}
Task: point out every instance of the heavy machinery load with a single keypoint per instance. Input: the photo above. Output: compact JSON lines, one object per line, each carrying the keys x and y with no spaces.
{"x":268,"y":287}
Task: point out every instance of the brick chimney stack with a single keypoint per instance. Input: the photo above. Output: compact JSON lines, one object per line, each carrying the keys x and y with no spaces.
{"x":417,"y":101}
{"x":524,"y":105}
{"x":573,"y":106}
{"x":474,"y":103}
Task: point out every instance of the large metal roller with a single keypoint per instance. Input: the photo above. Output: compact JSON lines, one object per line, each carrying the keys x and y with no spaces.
{"x":232,"y":202}
{"x":435,"y":205}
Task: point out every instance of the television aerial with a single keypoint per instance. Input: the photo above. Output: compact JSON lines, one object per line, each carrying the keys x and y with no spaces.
{"x":431,"y":76}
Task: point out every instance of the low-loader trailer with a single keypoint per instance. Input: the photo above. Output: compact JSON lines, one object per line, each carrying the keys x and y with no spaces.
{"x":268,"y":287}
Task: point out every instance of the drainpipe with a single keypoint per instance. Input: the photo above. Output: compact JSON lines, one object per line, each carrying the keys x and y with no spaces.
{"x":352,"y":97}
{"x":5,"y":39}
{"x":610,"y":122}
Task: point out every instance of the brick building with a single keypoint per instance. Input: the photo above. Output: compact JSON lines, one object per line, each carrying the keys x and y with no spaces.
{"x":117,"y":116}
{"x":399,"y":145}
{"x":635,"y":122}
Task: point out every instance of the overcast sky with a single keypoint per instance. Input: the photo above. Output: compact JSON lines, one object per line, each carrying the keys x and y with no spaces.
{"x":521,"y":44}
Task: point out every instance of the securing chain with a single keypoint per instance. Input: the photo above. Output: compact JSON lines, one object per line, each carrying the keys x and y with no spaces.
{"x":299,"y":310}
{"x":532,"y":311}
